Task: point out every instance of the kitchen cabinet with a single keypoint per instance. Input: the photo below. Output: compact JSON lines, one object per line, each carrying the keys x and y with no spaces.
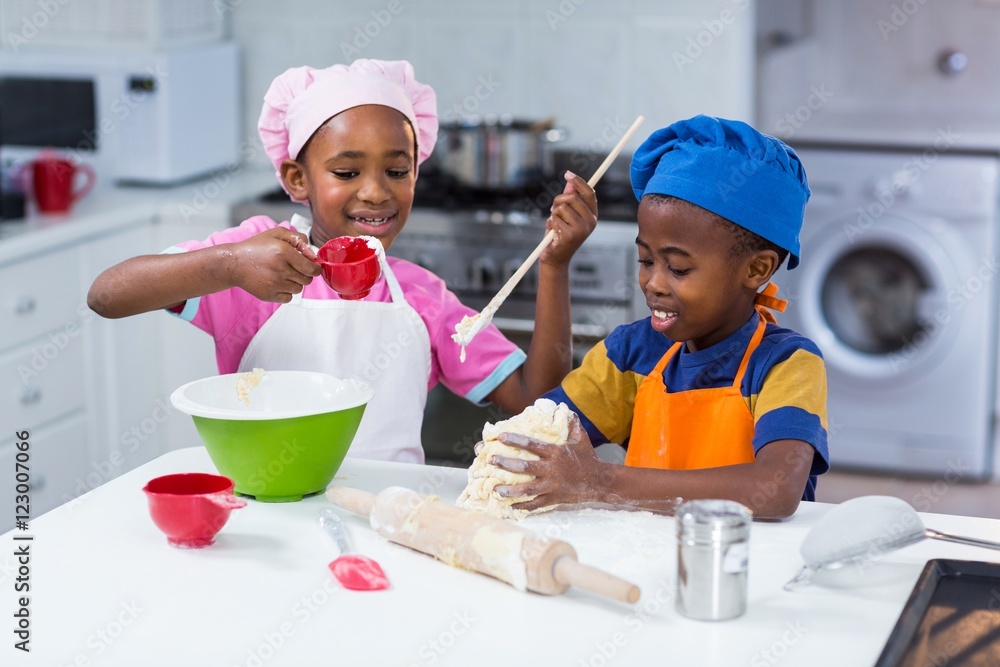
{"x":76,"y":383}
{"x":42,"y":360}
{"x":59,"y":466}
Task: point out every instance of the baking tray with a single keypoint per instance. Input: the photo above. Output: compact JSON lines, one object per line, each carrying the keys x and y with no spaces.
{"x":951,"y":618}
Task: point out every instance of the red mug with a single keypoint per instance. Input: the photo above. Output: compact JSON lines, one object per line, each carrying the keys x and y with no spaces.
{"x":54,"y":178}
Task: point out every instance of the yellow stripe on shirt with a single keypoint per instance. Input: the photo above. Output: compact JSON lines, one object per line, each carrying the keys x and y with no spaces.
{"x":604,"y":393}
{"x":784,"y":387}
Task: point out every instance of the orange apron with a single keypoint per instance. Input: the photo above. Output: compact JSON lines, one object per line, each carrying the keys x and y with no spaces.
{"x":697,"y":428}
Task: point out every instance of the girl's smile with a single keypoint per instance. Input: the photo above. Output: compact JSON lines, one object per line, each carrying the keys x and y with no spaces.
{"x":358,"y":173}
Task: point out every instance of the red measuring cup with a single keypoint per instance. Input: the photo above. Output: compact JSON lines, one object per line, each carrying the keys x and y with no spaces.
{"x":350,"y":266}
{"x":191,"y":508}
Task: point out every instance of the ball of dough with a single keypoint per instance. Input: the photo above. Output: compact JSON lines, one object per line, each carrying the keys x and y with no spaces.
{"x":546,"y":421}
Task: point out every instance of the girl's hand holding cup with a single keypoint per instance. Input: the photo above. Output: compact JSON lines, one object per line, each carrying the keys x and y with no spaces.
{"x":273,"y":265}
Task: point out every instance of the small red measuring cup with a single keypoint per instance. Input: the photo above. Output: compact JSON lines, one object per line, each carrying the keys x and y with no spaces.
{"x":191,"y":508}
{"x":350,"y":266}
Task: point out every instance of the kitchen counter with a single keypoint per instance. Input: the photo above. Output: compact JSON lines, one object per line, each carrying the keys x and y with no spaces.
{"x":110,"y":207}
{"x":106,"y":589}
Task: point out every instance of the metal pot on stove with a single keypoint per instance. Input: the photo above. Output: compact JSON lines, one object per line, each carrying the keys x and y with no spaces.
{"x":496,"y":152}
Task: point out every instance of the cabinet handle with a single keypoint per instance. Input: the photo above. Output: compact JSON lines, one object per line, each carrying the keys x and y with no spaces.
{"x":31,"y":396}
{"x":25,"y":305}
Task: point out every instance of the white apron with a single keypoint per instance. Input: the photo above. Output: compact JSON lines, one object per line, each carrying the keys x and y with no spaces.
{"x":383,"y":344}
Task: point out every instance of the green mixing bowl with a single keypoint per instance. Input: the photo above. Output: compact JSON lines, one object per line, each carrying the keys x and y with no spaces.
{"x":278,"y":439}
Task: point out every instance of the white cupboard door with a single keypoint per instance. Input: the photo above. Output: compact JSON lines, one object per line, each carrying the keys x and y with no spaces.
{"x":56,"y":468}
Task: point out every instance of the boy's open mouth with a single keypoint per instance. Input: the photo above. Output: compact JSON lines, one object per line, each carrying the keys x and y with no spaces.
{"x":663,"y":319}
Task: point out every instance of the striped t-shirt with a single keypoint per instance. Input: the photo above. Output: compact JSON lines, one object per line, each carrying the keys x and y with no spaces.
{"x":784,"y":385}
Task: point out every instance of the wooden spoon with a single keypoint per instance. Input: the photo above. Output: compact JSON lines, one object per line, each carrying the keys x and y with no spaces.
{"x":467,"y":329}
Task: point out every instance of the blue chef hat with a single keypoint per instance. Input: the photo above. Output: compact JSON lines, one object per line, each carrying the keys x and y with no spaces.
{"x":730,"y":169}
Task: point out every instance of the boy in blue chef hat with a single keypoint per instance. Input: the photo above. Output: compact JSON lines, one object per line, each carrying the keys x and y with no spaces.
{"x":710,"y":396}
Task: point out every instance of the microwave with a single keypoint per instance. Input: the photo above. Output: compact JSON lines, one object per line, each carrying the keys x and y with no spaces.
{"x":143,"y":117}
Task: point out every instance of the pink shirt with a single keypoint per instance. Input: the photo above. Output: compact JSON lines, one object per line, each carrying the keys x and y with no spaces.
{"x":234,"y":316}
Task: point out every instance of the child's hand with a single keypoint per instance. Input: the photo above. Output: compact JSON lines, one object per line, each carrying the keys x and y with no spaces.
{"x":564,"y":474}
{"x":574,"y":216}
{"x":273,"y":265}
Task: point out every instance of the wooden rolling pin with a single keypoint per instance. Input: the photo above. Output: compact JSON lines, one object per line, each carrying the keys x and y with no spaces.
{"x":510,"y":553}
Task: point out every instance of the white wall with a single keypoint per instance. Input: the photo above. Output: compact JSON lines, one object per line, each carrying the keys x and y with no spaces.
{"x":594,"y":64}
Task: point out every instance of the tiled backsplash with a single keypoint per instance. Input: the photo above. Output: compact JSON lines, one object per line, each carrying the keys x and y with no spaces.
{"x":593,"y":64}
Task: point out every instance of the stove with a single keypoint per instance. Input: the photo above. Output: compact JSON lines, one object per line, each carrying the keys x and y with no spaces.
{"x":475,"y":240}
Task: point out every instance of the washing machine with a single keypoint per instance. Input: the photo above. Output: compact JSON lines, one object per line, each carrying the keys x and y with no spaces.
{"x":898,"y":287}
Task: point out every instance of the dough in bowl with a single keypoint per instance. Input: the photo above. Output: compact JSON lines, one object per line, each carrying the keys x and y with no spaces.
{"x":545,"y":420}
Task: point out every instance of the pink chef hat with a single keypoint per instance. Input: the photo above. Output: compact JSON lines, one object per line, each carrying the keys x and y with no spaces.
{"x":302,"y":99}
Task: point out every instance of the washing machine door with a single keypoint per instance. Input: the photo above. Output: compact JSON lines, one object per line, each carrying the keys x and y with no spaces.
{"x":875,"y":300}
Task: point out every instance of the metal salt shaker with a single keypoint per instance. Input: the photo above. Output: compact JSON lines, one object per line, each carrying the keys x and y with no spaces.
{"x":713,"y":546}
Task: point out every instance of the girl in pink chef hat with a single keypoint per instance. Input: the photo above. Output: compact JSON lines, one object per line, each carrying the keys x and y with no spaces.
{"x":348,"y":140}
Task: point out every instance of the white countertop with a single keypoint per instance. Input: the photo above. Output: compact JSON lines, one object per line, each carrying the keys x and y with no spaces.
{"x":109,"y":207}
{"x":106,"y":589}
